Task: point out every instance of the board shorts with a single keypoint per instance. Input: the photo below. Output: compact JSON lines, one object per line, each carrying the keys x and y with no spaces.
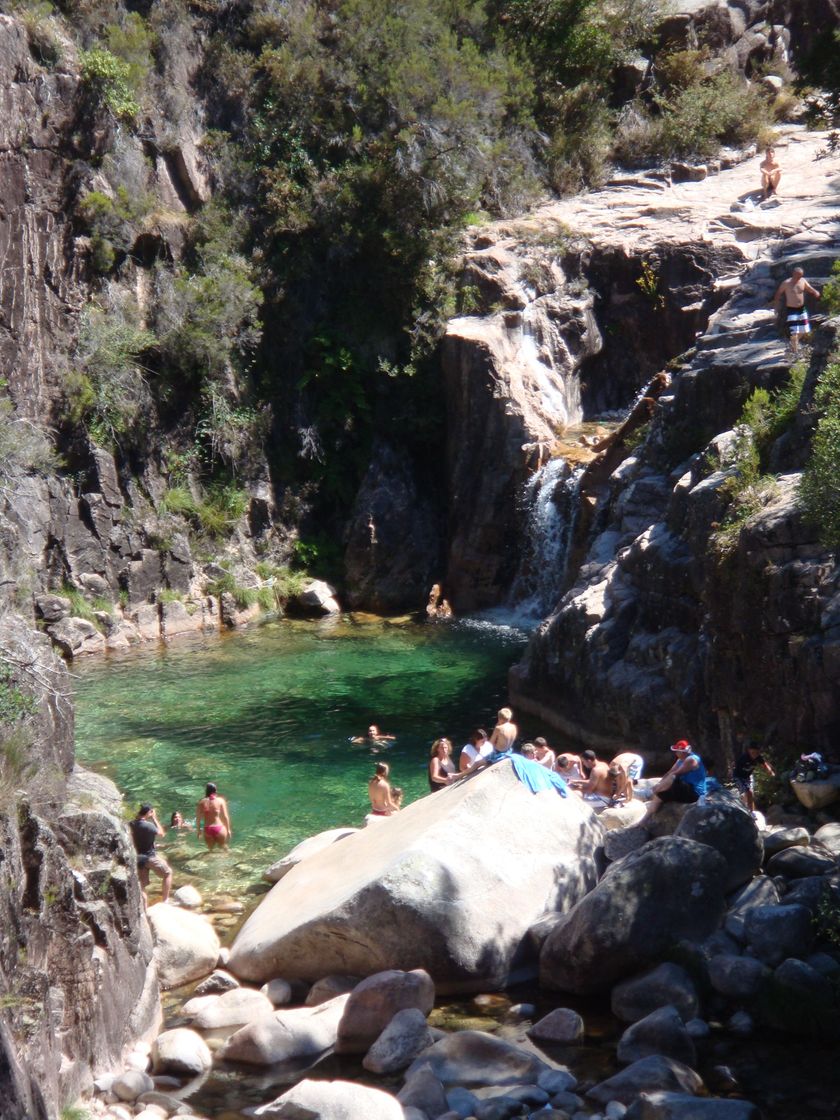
{"x":797,"y":321}
{"x":681,"y":792}
{"x":152,"y":862}
{"x":744,"y":785}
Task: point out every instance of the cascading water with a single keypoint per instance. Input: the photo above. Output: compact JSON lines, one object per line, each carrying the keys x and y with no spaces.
{"x":551,"y":502}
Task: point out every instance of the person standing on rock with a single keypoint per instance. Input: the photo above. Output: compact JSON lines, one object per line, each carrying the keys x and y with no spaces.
{"x":505,"y":732}
{"x":793,"y":291}
{"x":684,"y":783}
{"x":382,"y":803}
{"x":744,"y":773}
{"x":478,"y":747}
{"x":634,"y":764}
{"x":771,"y":173}
{"x":211,"y":814}
{"x":441,"y":767}
{"x":145,"y":829}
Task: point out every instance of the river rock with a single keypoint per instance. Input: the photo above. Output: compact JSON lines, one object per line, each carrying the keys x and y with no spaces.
{"x":373,"y":1004}
{"x":400,"y":1042}
{"x":782,"y":838}
{"x":473,"y":1058}
{"x":431,"y":887}
{"x":668,"y":890}
{"x":76,"y":636}
{"x":188,"y":897}
{"x":181,"y":1051}
{"x":776,"y":932}
{"x":462,"y":1102}
{"x":829,"y":837}
{"x":284,"y":1035}
{"x":217,"y":982}
{"x":797,"y":863}
{"x":560,"y":1025}
{"x":315,"y":600}
{"x":726,"y":826}
{"x":682,"y":1106}
{"x":332,"y":1100}
{"x":303,"y":850}
{"x":232,"y":1009}
{"x":622,"y":816}
{"x":620,"y":842}
{"x":762,"y":891}
{"x":186,"y":945}
{"x":661,"y":1032}
{"x":666,"y":985}
{"x":736,"y":977}
{"x":131,"y":1083}
{"x":813,"y":795}
{"x":424,"y":1091}
{"x":329,"y":987}
{"x":805,"y":892}
{"x":654,"y":1073}
{"x":278,"y":991}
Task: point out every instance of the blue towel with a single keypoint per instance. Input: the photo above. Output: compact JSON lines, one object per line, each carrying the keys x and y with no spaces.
{"x":531,"y":774}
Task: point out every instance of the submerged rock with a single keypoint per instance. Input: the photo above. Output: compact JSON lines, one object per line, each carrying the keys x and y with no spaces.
{"x":667,"y":984}
{"x":661,"y":1032}
{"x":431,"y":887}
{"x":682,"y":1106}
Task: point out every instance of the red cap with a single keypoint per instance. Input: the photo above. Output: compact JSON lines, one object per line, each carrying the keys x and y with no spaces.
{"x":681,"y":745}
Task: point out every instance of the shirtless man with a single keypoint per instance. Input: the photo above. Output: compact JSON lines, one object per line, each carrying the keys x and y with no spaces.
{"x":505,"y":732}
{"x":771,"y":173}
{"x":598,"y":786}
{"x":569,"y":768}
{"x":793,"y":292}
{"x":631,"y":763}
{"x":211,"y":814}
{"x":543,"y":754}
{"x":382,"y":800}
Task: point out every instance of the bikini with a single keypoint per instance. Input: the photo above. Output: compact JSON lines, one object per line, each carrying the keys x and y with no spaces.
{"x":213,"y":829}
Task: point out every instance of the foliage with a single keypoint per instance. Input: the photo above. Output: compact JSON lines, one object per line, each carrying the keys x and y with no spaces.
{"x":109,"y":79}
{"x":831,"y":291}
{"x":827,"y":918}
{"x":80,"y":607}
{"x":820,"y":486}
{"x":112,"y":223}
{"x":215,"y":514}
{"x":14,"y":703}
{"x":107,"y":389}
{"x":37,"y":16}
{"x":648,"y":284}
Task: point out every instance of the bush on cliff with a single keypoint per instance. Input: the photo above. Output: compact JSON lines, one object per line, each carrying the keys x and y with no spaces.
{"x":820,"y":488}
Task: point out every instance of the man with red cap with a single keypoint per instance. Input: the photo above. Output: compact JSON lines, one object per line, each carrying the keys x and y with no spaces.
{"x":685,"y":782}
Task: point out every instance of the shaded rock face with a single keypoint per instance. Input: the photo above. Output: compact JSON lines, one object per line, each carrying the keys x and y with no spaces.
{"x":429,"y":888}
{"x":75,"y":948}
{"x":393,"y":546}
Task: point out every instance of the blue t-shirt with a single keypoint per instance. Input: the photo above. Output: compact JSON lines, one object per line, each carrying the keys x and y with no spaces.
{"x":696,"y":777}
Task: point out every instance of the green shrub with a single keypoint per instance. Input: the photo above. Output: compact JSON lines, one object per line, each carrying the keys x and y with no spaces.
{"x":112,"y":222}
{"x":109,"y":79}
{"x":830,"y":300}
{"x":80,"y":607}
{"x":215,"y":513}
{"x":37,"y":16}
{"x":820,"y":486}
{"x":177,"y":499}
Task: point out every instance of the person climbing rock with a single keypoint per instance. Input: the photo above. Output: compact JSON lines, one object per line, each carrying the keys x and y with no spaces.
{"x":145,"y":829}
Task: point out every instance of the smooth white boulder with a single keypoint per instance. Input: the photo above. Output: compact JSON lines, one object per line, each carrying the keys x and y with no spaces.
{"x":186,"y":945}
{"x":432,"y":887}
{"x":333,"y":1100}
{"x":181,"y":1051}
{"x":232,"y":1009}
{"x":188,"y":897}
{"x":306,"y":848}
{"x":282,"y":1035}
{"x":131,"y":1083}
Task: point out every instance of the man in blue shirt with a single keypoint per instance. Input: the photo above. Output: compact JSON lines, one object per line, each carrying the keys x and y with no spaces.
{"x":685,"y":782}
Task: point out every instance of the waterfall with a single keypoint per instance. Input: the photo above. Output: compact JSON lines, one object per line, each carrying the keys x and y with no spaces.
{"x":551,"y":502}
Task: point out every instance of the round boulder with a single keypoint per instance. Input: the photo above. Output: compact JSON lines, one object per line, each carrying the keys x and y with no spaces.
{"x":181,"y":1051}
{"x":232,"y":1009}
{"x":186,"y":945}
{"x":776,"y":932}
{"x":798,"y":863}
{"x":130,"y":1084}
{"x":829,"y":837}
{"x":334,"y":1100}
{"x":400,"y":1043}
{"x":473,"y":1058}
{"x":727,"y":827}
{"x":662,"y":1032}
{"x":672,"y":888}
{"x":561,"y":1025}
{"x":782,"y":838}
{"x":736,"y":977}
{"x":374,"y":1003}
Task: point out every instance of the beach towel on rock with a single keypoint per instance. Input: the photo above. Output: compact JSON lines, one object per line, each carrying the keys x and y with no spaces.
{"x":531,"y":774}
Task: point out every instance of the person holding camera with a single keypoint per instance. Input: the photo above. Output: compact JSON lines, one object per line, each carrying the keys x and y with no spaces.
{"x":145,"y":829}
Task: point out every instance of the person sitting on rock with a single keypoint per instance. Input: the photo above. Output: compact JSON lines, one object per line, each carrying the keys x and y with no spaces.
{"x":597,"y":784}
{"x":478,"y":747}
{"x":441,"y":767}
{"x":684,"y":783}
{"x":544,"y":755}
{"x":622,"y":784}
{"x":211,"y":814}
{"x":744,"y":773}
{"x":382,"y":801}
{"x":568,"y":767}
{"x":145,"y":829}
{"x":634,"y":764}
{"x":529,"y":750}
{"x":505,"y":732}
{"x":771,"y":173}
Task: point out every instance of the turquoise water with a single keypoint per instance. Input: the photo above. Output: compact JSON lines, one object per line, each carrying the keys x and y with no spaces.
{"x":267,"y":715}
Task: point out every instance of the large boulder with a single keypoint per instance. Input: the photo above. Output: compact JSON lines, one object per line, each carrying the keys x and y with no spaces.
{"x":726,"y":826}
{"x":332,"y":1100}
{"x":671,"y":889}
{"x":799,"y":863}
{"x":762,"y":891}
{"x":181,"y":1052}
{"x":373,"y":1004}
{"x":473,"y":1058}
{"x":186,"y":945}
{"x":776,"y":932}
{"x":283,"y":1035}
{"x":431,"y":887}
{"x":303,"y":850}
{"x":232,"y":1009}
{"x":647,"y":1073}
{"x":829,"y":837}
{"x":661,"y":1032}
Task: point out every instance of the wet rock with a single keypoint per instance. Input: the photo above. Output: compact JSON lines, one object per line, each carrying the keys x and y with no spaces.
{"x":670,"y":889}
{"x":662,"y":1032}
{"x":373,"y":1004}
{"x":665,"y":985}
{"x":181,"y":1051}
{"x":561,"y":1025}
{"x":727,"y":827}
{"x":332,"y":1100}
{"x":424,"y":1091}
{"x":654,"y":1073}
{"x":186,"y":945}
{"x":284,"y":1035}
{"x":232,"y":1009}
{"x":681,"y":1106}
{"x":796,"y":863}
{"x":216,"y":983}
{"x":399,"y":1043}
{"x":737,"y":977}
{"x":776,"y":932}
{"x":473,"y":1058}
{"x":305,"y":848}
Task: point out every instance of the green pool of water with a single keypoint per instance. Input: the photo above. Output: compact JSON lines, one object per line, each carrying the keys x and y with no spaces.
{"x":268,"y":714}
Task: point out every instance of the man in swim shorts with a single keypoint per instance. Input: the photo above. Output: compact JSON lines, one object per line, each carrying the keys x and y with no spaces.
{"x":793,"y":291}
{"x":597,"y":788}
{"x":145,"y":829}
{"x":211,"y":814}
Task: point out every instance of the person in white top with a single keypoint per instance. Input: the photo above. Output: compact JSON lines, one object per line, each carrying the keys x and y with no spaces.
{"x":478,"y":747}
{"x":543,"y":754}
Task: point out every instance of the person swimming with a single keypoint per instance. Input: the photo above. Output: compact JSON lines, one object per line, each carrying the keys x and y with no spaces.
{"x":211,"y":813}
{"x":376,"y":738}
{"x":178,"y":823}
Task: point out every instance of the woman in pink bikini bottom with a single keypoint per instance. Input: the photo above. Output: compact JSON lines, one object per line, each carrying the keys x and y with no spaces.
{"x":211,"y":814}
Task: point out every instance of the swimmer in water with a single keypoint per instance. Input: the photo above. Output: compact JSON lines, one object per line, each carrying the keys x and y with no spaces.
{"x":375,"y":738}
{"x":178,"y":823}
{"x":211,"y":813}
